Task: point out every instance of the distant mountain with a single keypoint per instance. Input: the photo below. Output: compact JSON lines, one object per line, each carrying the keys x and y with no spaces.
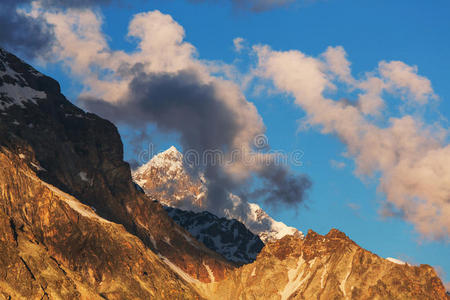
{"x":167,"y":178}
{"x":228,"y":237}
{"x":326,"y":267}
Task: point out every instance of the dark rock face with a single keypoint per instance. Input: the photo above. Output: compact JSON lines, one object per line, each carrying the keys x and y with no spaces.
{"x":227,"y":237}
{"x":80,"y":152}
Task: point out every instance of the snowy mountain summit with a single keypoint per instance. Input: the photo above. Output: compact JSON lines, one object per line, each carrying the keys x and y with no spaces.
{"x":166,"y":178}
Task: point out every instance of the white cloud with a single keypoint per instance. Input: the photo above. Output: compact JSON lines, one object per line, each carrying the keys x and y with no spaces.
{"x":84,"y":48}
{"x":370,"y":100}
{"x":338,"y":64}
{"x":161,"y":47}
{"x":404,"y":79}
{"x":410,"y":156}
{"x":337,"y":164}
{"x":238,"y":44}
{"x":355,"y":207}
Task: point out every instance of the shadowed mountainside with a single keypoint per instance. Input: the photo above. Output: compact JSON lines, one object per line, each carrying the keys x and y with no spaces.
{"x":54,"y":148}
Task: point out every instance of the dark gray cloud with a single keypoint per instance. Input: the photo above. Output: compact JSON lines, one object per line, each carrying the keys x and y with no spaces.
{"x":280,"y":183}
{"x":255,"y":5}
{"x":260,"y":5}
{"x":73,"y":3}
{"x":23,"y":34}
{"x":182,"y":103}
{"x":31,"y":36}
{"x":139,"y":143}
{"x":174,"y":103}
{"x":179,"y":103}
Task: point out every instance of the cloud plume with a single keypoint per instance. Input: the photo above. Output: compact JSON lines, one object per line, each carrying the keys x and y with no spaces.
{"x":410,"y":156}
{"x":164,"y":83}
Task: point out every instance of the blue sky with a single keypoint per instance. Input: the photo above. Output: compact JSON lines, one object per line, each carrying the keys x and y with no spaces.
{"x":414,"y":32}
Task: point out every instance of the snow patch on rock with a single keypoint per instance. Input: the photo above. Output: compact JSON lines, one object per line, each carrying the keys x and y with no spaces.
{"x":13,"y":90}
{"x":179,"y":271}
{"x":296,"y":279}
{"x":210,"y":272}
{"x":396,"y":261}
{"x":12,"y":94}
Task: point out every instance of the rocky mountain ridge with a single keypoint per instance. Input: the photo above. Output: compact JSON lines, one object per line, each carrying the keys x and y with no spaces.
{"x":325,"y":267}
{"x":229,"y":238}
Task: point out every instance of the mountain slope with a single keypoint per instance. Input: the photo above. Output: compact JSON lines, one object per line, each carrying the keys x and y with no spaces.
{"x":52,"y":246}
{"x":81,"y":155}
{"x":166,"y":176}
{"x":326,"y":267}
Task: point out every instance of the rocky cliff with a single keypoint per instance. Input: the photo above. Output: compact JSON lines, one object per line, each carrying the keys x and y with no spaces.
{"x":230,"y":238}
{"x":51,"y":151}
{"x":54,"y":247}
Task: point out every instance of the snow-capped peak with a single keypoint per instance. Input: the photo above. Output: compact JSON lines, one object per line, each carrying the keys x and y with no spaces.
{"x":171,"y":158}
{"x":172,"y":150}
{"x":165,"y":177}
{"x":278,"y":229}
{"x":170,"y":162}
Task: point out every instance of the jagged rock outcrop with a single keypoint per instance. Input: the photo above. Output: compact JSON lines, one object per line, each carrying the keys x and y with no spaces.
{"x":167,"y":177}
{"x":326,"y":267}
{"x":228,"y":237}
{"x":65,"y":150}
